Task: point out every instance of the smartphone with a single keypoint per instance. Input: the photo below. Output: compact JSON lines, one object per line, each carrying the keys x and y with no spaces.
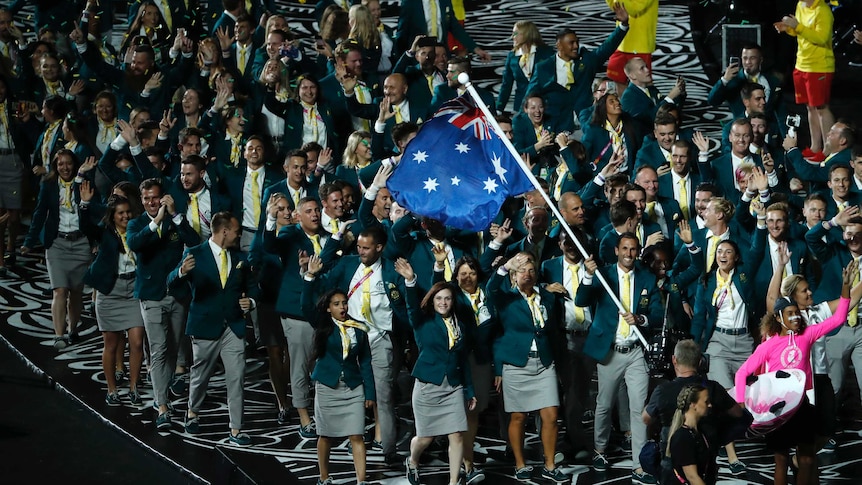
{"x":733,"y":61}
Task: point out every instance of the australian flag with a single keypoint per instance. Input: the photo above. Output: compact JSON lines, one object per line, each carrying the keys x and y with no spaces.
{"x":457,"y":169}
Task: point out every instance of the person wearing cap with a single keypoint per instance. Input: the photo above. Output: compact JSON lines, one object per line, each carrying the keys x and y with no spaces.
{"x":788,"y":346}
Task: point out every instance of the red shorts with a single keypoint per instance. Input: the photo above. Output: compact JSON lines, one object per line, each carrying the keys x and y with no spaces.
{"x":617,"y":65}
{"x":812,"y":88}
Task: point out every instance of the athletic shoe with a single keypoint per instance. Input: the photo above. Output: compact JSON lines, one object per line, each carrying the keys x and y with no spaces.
{"x":309,"y":431}
{"x":554,"y":475}
{"x":193,"y":426}
{"x":475,"y":475}
{"x":163,"y":421}
{"x":113,"y":399}
{"x":600,"y":462}
{"x":239,"y":439}
{"x":643,"y":478}
{"x":412,"y":472}
{"x":524,"y":473}
{"x":737,"y":468}
{"x":135,"y":398}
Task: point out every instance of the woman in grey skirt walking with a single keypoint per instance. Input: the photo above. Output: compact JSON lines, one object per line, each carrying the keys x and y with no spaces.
{"x":443,"y":389}
{"x":344,"y":383}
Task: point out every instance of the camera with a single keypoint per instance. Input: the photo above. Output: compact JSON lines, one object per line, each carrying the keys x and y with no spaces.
{"x":793,"y":123}
{"x":290,"y":51}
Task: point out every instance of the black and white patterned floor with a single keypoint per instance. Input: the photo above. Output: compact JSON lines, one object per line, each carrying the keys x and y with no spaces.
{"x":278,"y":453}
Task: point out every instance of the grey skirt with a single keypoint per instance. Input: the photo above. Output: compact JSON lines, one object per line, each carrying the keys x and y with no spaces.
{"x":119,"y":310}
{"x":439,"y":410}
{"x":482,"y":377}
{"x":11,"y":179}
{"x":67,"y":262}
{"x":529,"y":388}
{"x":340,"y":411}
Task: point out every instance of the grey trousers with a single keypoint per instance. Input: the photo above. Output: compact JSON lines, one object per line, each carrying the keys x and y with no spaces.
{"x":231,"y":349}
{"x":164,"y":321}
{"x":727,"y":353}
{"x":384,"y":376}
{"x":846,"y":344}
{"x":299,"y":335}
{"x":615,"y":369}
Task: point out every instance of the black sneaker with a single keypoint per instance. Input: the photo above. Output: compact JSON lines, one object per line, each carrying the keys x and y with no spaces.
{"x":412,"y":472}
{"x":193,"y":425}
{"x":135,"y":398}
{"x":588,"y":417}
{"x":163,"y":421}
{"x":282,"y":417}
{"x":626,"y":445}
{"x":554,"y":475}
{"x":309,"y":431}
{"x":643,"y":478}
{"x":829,"y":446}
{"x":178,"y":384}
{"x":600,"y":462}
{"x":60,"y":343}
{"x":524,"y":473}
{"x":113,"y":399}
{"x":475,"y":475}
{"x":73,"y":338}
{"x":239,"y":439}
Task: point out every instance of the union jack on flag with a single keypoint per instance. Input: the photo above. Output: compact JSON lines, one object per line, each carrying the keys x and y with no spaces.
{"x":465,"y":115}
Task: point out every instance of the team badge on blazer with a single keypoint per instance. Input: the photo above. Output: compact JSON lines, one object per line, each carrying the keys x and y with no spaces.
{"x":644,"y":301}
{"x":743,"y":277}
{"x":394,"y":294}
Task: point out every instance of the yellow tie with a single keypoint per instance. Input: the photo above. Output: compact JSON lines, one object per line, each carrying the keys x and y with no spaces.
{"x":166,"y":13}
{"x":222,"y":270}
{"x":312,"y":119}
{"x":754,"y":78}
{"x":366,"y":295}
{"x":579,"y":311}
{"x":46,"y":140}
{"x":255,"y":196}
{"x":683,"y":198}
{"x":52,"y":86}
{"x":381,"y":29}
{"x":430,"y":79}
{"x":432,"y":9}
{"x":129,"y":252}
{"x":841,"y":206}
{"x":853,"y":316}
{"x":625,"y":299}
{"x":333,"y":224}
{"x":570,"y":75}
{"x":67,"y":193}
{"x":398,"y":118}
{"x":536,"y":310}
{"x":447,"y":271}
{"x":243,"y":55}
{"x":711,"y":246}
{"x":522,"y":61}
{"x":474,"y":301}
{"x":452,"y":331}
{"x":248,"y":7}
{"x":315,"y":242}
{"x":345,"y":339}
{"x":296,"y":198}
{"x":196,"y":215}
{"x":650,"y":210}
{"x":235,"y":143}
{"x":109,"y":131}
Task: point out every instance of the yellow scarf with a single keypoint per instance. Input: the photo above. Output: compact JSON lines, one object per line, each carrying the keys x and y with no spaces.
{"x":345,"y":338}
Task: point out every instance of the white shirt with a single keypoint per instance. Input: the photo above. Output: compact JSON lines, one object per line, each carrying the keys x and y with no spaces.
{"x":216,"y":250}
{"x":562,"y":70}
{"x":675,"y":178}
{"x":816,"y":314}
{"x":125,"y":263}
{"x":527,"y":68}
{"x":773,"y":255}
{"x":381,"y":312}
{"x":619,"y":339}
{"x":274,"y":124}
{"x":248,"y":202}
{"x":731,"y":318}
{"x":658,"y":209}
{"x":736,"y":162}
{"x":429,"y":22}
{"x":69,"y":221}
{"x":326,"y":222}
{"x":386,"y":46}
{"x":313,"y":128}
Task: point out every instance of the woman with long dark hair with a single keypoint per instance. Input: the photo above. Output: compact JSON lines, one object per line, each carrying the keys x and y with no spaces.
{"x":610,"y":131}
{"x":344,"y":384}
{"x":112,"y":274}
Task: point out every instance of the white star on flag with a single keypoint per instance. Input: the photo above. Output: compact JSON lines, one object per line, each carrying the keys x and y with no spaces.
{"x":498,"y":168}
{"x":456,"y":181}
{"x":431,"y":184}
{"x":462,"y":148}
{"x":490,"y":185}
{"x":420,"y":157}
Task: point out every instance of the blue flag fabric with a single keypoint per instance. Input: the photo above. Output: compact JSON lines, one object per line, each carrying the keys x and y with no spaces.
{"x":457,"y":170}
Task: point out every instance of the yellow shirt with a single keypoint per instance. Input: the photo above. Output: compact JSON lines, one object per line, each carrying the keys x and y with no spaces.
{"x":643,"y":21}
{"x":814,"y":37}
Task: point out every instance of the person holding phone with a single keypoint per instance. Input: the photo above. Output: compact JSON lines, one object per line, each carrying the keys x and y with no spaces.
{"x":740,"y":70}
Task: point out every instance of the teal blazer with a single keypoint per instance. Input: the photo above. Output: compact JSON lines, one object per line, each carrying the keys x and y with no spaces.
{"x":560,"y":102}
{"x":603,"y":330}
{"x":416,"y":247}
{"x":816,"y":172}
{"x":436,"y":360}
{"x":331,"y":366}
{"x":411,"y":22}
{"x":157,"y":256}
{"x":833,"y":256}
{"x":292,"y":113}
{"x":513,"y":346}
{"x":596,"y":138}
{"x":289,"y":241}
{"x":213,"y":309}
{"x":233,"y":183}
{"x":719,"y":172}
{"x":512,"y":74}
{"x":45,"y":222}
{"x":102,"y":273}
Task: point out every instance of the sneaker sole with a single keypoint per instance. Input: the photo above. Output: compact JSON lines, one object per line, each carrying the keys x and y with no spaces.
{"x":564,"y":480}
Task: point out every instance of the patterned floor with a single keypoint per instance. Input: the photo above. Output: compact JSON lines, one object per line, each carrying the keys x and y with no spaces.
{"x":278,"y":453}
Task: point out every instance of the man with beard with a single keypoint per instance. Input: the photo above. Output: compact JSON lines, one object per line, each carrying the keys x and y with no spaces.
{"x":680,"y":184}
{"x":721,"y":170}
{"x":655,"y":150}
{"x":192,"y":197}
{"x":839,"y":141}
{"x":420,"y":68}
{"x":348,"y":64}
{"x":245,"y":188}
{"x":129,"y":82}
{"x":453,"y":88}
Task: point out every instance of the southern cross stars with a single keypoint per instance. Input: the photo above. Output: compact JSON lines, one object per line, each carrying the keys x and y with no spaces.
{"x":462,"y":148}
{"x":431,"y":185}
{"x":498,"y":168}
{"x":420,"y":157}
{"x":455,"y":181}
{"x":490,"y":185}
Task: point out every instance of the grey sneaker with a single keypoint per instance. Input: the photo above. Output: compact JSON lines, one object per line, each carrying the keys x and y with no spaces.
{"x":524,"y":473}
{"x":328,"y":481}
{"x":239,"y":439}
{"x":60,"y":343}
{"x":475,"y":475}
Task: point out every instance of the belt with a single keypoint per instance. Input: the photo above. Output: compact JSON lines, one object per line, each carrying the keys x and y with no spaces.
{"x":126,"y":276}
{"x":732,"y":331}
{"x":7,"y":151}
{"x":624,"y":349}
{"x":70,"y":236}
{"x":533,"y":354}
{"x":248,"y":229}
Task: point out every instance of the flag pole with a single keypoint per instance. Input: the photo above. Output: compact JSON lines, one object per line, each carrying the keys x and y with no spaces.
{"x":464,"y":79}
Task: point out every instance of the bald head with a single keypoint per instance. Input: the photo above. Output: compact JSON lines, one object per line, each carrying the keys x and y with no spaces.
{"x":572,"y":209}
{"x":395,"y":88}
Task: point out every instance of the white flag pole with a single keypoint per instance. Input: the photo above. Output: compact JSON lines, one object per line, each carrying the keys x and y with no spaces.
{"x":464,"y":79}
